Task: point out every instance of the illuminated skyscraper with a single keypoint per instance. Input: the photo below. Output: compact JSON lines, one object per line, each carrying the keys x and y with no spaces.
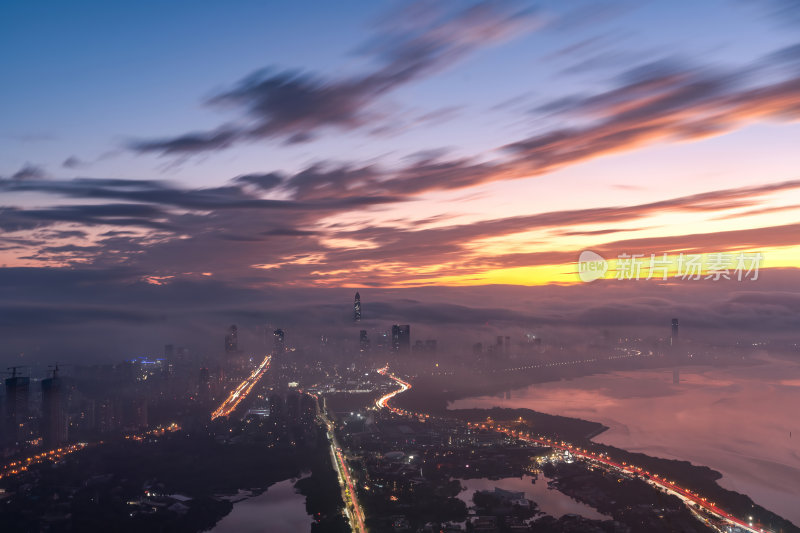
{"x":54,"y":419}
{"x":401,"y":338}
{"x":357,"y":308}
{"x":279,"y":345}
{"x":232,"y":340}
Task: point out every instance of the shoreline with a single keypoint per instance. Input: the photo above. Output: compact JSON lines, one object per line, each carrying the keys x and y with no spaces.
{"x":439,"y":397}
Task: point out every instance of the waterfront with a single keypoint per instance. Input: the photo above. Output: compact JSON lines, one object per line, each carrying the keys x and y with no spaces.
{"x":280,"y":508}
{"x":736,"y":420}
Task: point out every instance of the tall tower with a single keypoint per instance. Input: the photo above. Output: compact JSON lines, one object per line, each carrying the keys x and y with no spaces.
{"x":278,"y":341}
{"x":17,"y":393}
{"x":357,"y":308}
{"x":54,"y":421}
{"x":232,"y":340}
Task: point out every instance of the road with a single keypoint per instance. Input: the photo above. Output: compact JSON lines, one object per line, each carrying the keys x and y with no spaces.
{"x":242,"y":390}
{"x":21,"y":465}
{"x":355,"y":514}
{"x":686,"y":495}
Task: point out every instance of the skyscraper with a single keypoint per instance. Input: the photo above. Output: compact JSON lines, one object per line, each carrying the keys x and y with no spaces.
{"x":279,"y":345}
{"x":232,"y":340}
{"x":54,"y":420}
{"x":401,"y":338}
{"x":17,"y":393}
{"x":357,"y":308}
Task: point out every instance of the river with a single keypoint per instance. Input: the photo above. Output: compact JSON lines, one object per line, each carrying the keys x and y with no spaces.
{"x":279,"y":509}
{"x":741,"y":421}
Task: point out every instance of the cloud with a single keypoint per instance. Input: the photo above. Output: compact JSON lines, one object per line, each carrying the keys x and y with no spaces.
{"x":414,"y":42}
{"x":146,"y":216}
{"x":29,"y":172}
{"x":156,"y":225}
{"x":167,"y":194}
{"x":262,"y":181}
{"x":190,"y":142}
{"x":660,"y":101}
{"x":73,"y":162}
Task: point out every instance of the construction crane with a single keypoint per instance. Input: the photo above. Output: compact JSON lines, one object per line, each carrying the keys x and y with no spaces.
{"x":54,"y":369}
{"x":13,"y":370}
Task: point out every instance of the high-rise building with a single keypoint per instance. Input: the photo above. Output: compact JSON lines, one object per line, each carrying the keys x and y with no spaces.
{"x":17,"y":394}
{"x":54,"y":418}
{"x":401,"y":338}
{"x":232,"y":340}
{"x":278,"y":342}
{"x":357,"y":308}
{"x":363,"y":341}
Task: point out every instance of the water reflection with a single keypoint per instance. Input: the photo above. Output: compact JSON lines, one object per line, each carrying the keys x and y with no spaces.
{"x":280,"y":508}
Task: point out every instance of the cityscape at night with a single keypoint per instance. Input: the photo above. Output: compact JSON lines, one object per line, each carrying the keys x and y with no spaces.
{"x":418,"y":266}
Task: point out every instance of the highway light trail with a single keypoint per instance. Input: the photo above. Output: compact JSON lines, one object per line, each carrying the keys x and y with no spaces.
{"x":686,"y":495}
{"x":21,"y":465}
{"x":404,"y":386}
{"x":242,"y":390}
{"x":349,"y":495}
{"x":344,"y":471}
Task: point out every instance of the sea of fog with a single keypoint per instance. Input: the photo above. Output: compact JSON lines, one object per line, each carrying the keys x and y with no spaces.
{"x":743,"y":421}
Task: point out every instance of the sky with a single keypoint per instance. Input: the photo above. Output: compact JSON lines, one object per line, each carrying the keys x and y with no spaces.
{"x":159,"y":161}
